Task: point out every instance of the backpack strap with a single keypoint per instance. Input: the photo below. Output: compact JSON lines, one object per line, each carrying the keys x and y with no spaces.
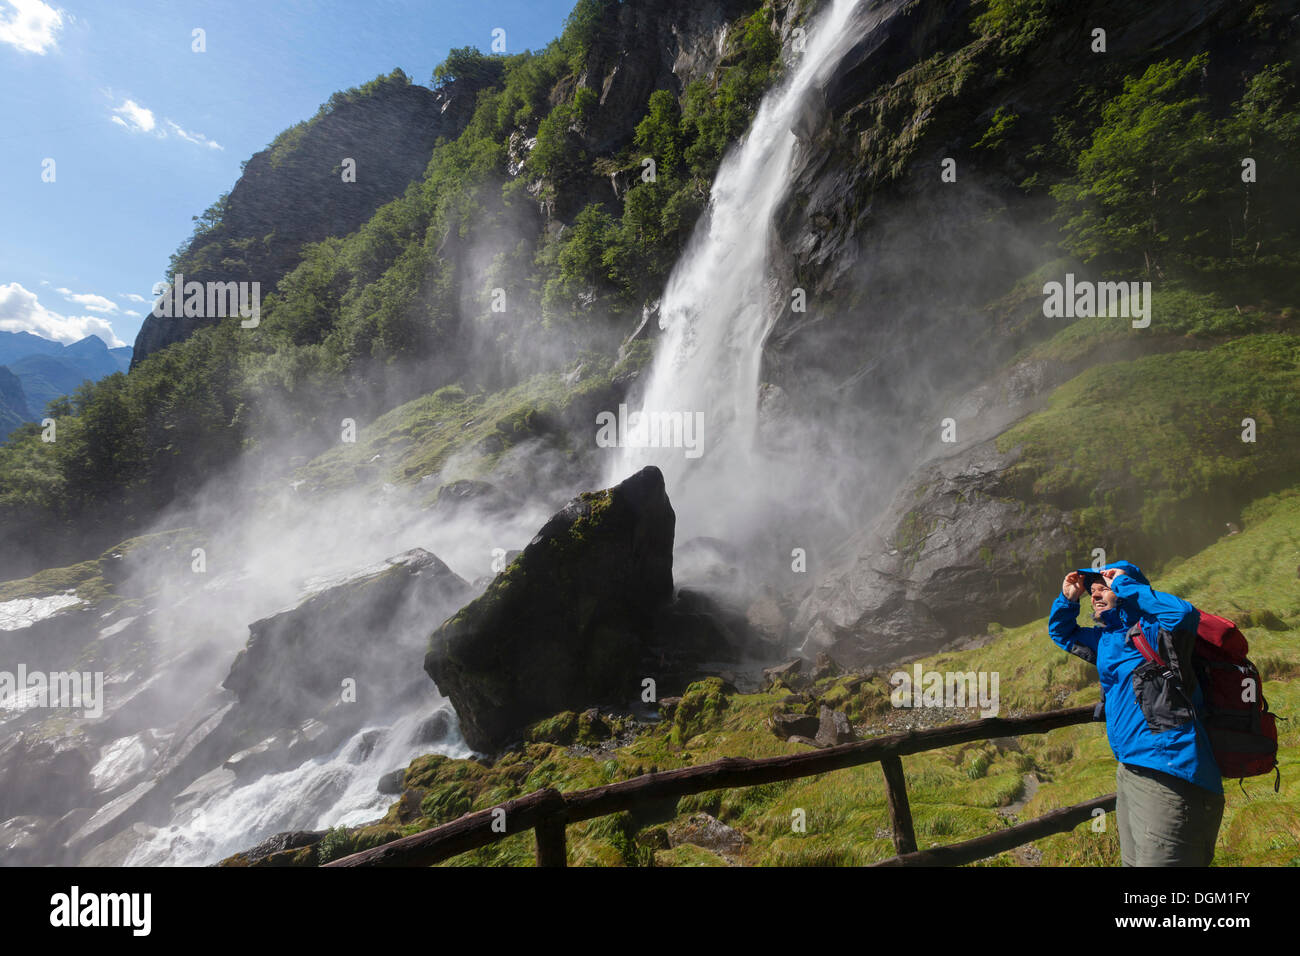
{"x":1139,"y":639}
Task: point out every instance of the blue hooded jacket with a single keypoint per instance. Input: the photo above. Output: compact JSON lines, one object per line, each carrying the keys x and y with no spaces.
{"x":1183,"y":751}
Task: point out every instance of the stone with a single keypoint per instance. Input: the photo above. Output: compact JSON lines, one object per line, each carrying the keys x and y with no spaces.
{"x":833,"y":728}
{"x":391,"y":782}
{"x":787,"y":673}
{"x":567,"y":623}
{"x":794,"y":725}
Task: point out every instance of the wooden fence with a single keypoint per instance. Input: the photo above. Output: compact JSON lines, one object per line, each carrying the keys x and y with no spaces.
{"x":549,"y":812}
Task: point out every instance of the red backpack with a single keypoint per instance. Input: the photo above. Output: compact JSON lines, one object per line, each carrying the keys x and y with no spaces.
{"x":1242,"y":732}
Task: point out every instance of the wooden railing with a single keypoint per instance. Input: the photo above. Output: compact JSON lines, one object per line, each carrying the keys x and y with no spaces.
{"x":549,"y":812}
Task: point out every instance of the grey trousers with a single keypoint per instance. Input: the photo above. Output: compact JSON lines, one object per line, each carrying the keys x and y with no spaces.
{"x":1163,"y":820}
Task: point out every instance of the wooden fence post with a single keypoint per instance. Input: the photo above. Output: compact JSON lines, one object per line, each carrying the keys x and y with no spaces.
{"x":552,"y":847}
{"x":900,"y":814}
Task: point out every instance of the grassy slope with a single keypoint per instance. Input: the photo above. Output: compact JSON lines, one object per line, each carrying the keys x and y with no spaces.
{"x":955,"y":793}
{"x":421,"y":437}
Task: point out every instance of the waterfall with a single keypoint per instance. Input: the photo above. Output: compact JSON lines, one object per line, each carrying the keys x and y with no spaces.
{"x":719,"y":306}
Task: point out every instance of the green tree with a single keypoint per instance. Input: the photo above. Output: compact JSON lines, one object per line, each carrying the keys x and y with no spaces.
{"x":658,"y":134}
{"x":1148,"y":175}
{"x":468,"y":63}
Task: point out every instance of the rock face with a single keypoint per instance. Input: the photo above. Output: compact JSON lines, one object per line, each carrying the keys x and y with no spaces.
{"x":565,"y":625}
{"x":948,"y":555}
{"x":13,"y":403}
{"x":294,"y":664}
{"x":293,"y":194}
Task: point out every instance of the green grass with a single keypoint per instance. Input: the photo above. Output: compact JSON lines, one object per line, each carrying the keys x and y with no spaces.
{"x":1149,"y":452}
{"x":421,"y":437}
{"x":1183,"y":315}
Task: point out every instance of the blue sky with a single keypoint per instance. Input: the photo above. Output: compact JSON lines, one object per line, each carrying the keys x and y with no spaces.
{"x":145,"y":132}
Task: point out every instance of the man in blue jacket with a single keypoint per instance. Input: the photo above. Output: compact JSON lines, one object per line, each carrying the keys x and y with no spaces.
{"x":1169,"y":792}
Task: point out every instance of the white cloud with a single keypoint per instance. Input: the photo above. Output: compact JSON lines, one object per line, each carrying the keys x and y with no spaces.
{"x":88,"y":300}
{"x":132,"y":297}
{"x":139,"y":119}
{"x":131,"y":312}
{"x":198,"y":139}
{"x":29,"y":25}
{"x":134,"y":117}
{"x":21,"y":312}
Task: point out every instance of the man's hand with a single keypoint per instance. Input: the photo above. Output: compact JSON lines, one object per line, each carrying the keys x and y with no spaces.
{"x":1072,"y":586}
{"x":1111,"y":574}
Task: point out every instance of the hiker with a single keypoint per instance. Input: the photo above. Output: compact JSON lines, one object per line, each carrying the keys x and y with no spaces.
{"x":1169,"y":792}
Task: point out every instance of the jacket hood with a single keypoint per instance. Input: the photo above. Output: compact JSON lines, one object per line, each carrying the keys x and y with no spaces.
{"x":1116,"y":617}
{"x":1089,"y":575}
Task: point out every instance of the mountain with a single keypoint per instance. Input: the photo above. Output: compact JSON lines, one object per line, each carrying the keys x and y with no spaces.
{"x":16,"y":345}
{"x":13,"y":403}
{"x":295,"y":192}
{"x":47,"y":373}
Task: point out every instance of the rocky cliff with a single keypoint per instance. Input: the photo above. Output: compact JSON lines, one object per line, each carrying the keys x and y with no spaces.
{"x":295,"y":192}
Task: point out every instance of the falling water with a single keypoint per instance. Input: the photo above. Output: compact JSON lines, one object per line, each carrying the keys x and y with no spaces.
{"x":720,"y":304}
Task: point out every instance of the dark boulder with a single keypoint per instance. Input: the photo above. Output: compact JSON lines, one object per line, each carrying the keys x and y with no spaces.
{"x":565,"y":625}
{"x":295,"y":662}
{"x":391,"y":782}
{"x":435,"y":728}
{"x":787,"y":674}
{"x":786,"y":726}
{"x":291,"y":840}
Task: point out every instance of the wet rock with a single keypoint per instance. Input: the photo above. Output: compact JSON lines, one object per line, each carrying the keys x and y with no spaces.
{"x":391,"y":782}
{"x":124,"y":761}
{"x":466,"y":492}
{"x":951,"y":553}
{"x":289,"y":840}
{"x":115,"y":815}
{"x":787,"y":673}
{"x":253,"y":760}
{"x":366,"y":745}
{"x":211,"y":785}
{"x":45,"y":775}
{"x":566,"y":624}
{"x":23,"y":839}
{"x":116,"y":850}
{"x":295,"y":663}
{"x":435,"y":728}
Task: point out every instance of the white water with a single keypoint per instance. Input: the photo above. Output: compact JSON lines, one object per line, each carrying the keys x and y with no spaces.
{"x":338,"y":790}
{"x":720,"y":303}
{"x":24,"y":612}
